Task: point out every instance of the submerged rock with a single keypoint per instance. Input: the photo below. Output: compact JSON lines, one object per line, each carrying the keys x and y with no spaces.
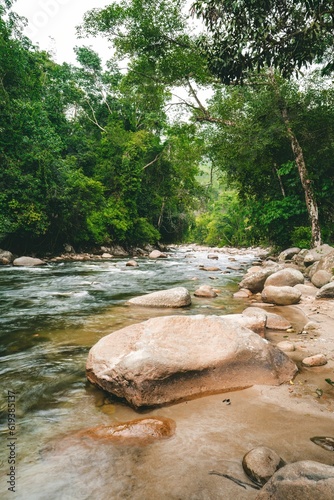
{"x":300,"y":481}
{"x":174,"y":297}
{"x":171,"y":358}
{"x":205,"y":291}
{"x":135,"y":432}
{"x":261,"y":463}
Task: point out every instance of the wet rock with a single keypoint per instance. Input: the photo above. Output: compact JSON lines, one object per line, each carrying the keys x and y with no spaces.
{"x":300,"y":481}
{"x":174,"y":297}
{"x":210,"y":268}
{"x":326,"y":292}
{"x":317,"y":254}
{"x":273,"y":321}
{"x":156,"y":254}
{"x":205,"y":291}
{"x":106,"y":255}
{"x":316,"y":360}
{"x":6,"y":257}
{"x":170,"y":358}
{"x":261,"y":463}
{"x":132,"y":263}
{"x":321,"y":278}
{"x":288,"y":254}
{"x":213,"y":256}
{"x":242,"y":294}
{"x":28,"y":262}
{"x":255,"y":281}
{"x":327,"y":443}
{"x":285,"y":277}
{"x":286,"y":346}
{"x":281,"y":295}
{"x":135,"y":432}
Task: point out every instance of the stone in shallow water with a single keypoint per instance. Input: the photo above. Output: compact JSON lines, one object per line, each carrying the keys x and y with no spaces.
{"x":135,"y":432}
{"x":171,"y":358}
{"x":261,"y":463}
{"x":174,"y":297}
{"x":316,"y":360}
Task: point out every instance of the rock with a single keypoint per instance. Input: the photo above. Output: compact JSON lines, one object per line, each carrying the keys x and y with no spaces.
{"x":255,"y":322}
{"x":300,"y":481}
{"x":255,"y":281}
{"x":288,"y":254}
{"x":254,"y":269}
{"x":317,"y":254}
{"x":118,"y":251}
{"x":326,"y":263}
{"x":273,"y":321}
{"x":242,"y":294}
{"x":210,"y":268}
{"x":311,"y":326}
{"x":132,"y":263}
{"x":326,"y":292}
{"x":106,"y":255}
{"x":312,"y":269}
{"x":286,"y":346}
{"x":170,"y":358}
{"x":135,"y":432}
{"x":281,"y":295}
{"x":205,"y":291}
{"x":156,"y":254}
{"x":68,"y":248}
{"x":174,"y":297}
{"x":285,"y":277}
{"x":261,"y":463}
{"x":321,"y":278}
{"x":316,"y":360}
{"x":213,"y":256}
{"x":327,"y":443}
{"x":28,"y":262}
{"x":6,"y":257}
{"x":269,"y":263}
{"x":298,"y":259}
{"x":308,"y":290}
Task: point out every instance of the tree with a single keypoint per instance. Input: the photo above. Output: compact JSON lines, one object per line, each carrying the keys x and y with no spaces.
{"x":247,"y":35}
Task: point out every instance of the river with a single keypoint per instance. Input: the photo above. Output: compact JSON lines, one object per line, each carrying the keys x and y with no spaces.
{"x":50,"y":317}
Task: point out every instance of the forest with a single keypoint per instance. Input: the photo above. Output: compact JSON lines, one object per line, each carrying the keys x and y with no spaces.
{"x":211,"y":122}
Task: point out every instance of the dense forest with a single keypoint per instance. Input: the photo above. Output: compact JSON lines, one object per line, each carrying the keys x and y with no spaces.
{"x":210,"y":123}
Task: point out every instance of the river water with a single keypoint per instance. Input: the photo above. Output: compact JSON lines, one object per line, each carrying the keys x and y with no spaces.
{"x":50,"y":317}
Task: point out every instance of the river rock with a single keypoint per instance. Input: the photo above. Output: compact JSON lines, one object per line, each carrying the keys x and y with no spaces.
{"x":28,"y":262}
{"x":321,"y":278}
{"x":174,"y":297}
{"x":118,"y":251}
{"x":326,"y":263}
{"x":300,"y":481}
{"x":6,"y":257}
{"x":156,"y":254}
{"x":255,"y":281}
{"x":242,"y":294}
{"x":316,"y":360}
{"x":281,"y":295}
{"x":288,"y":254}
{"x":326,"y":292}
{"x":213,"y":256}
{"x":211,"y":269}
{"x":261,"y":463}
{"x":142,"y":431}
{"x":132,"y":263}
{"x":106,"y":255}
{"x":285,"y":277}
{"x":317,"y":254}
{"x":170,"y":358}
{"x":298,"y":259}
{"x":273,"y":321}
{"x":205,"y":291}
{"x":286,"y":346}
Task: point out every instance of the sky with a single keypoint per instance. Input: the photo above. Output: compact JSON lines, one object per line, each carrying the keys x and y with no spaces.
{"x":52,"y":26}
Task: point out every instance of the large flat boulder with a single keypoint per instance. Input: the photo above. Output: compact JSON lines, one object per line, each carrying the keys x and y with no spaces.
{"x":171,"y":358}
{"x":173,"y":297}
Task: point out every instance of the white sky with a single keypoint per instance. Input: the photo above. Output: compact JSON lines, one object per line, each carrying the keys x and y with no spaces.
{"x":52,"y":26}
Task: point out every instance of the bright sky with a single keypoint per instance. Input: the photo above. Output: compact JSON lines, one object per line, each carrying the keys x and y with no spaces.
{"x":52,"y":26}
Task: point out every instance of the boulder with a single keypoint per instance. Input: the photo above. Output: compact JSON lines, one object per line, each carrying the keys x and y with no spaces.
{"x":326,"y":263}
{"x":261,"y":463}
{"x":300,"y":481}
{"x":106,"y":255}
{"x":316,"y":360}
{"x":142,"y":431}
{"x":281,"y":295}
{"x":255,"y":322}
{"x":210,"y":269}
{"x":255,"y":281}
{"x":28,"y":262}
{"x":242,"y":294}
{"x":285,"y":277}
{"x":288,"y":254}
{"x":132,"y":263}
{"x":156,"y":254}
{"x":317,"y":254}
{"x":286,"y":346}
{"x":174,"y":297}
{"x":326,"y":292}
{"x":171,"y":358}
{"x":312,"y":269}
{"x":6,"y":257}
{"x":205,"y":291}
{"x":321,"y":278}
{"x":298,"y":259}
{"x":308,"y":290}
{"x":273,"y":321}
{"x":118,"y":251}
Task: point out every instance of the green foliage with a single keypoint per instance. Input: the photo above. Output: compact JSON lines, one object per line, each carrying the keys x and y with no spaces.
{"x":301,"y":237}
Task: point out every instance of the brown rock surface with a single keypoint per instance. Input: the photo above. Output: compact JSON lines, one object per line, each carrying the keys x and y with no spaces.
{"x":205,"y":291}
{"x":255,"y":281}
{"x":28,"y":262}
{"x":261,"y":463}
{"x":281,"y":295}
{"x":285,"y":277}
{"x":167,"y":359}
{"x":173,"y":297}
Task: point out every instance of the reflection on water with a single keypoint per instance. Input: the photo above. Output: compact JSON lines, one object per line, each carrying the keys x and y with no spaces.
{"x":49,"y":318}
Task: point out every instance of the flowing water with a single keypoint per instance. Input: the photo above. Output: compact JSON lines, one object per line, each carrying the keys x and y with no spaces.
{"x":50,"y":316}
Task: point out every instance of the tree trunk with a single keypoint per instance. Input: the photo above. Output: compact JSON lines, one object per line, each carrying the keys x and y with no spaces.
{"x":311,"y":203}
